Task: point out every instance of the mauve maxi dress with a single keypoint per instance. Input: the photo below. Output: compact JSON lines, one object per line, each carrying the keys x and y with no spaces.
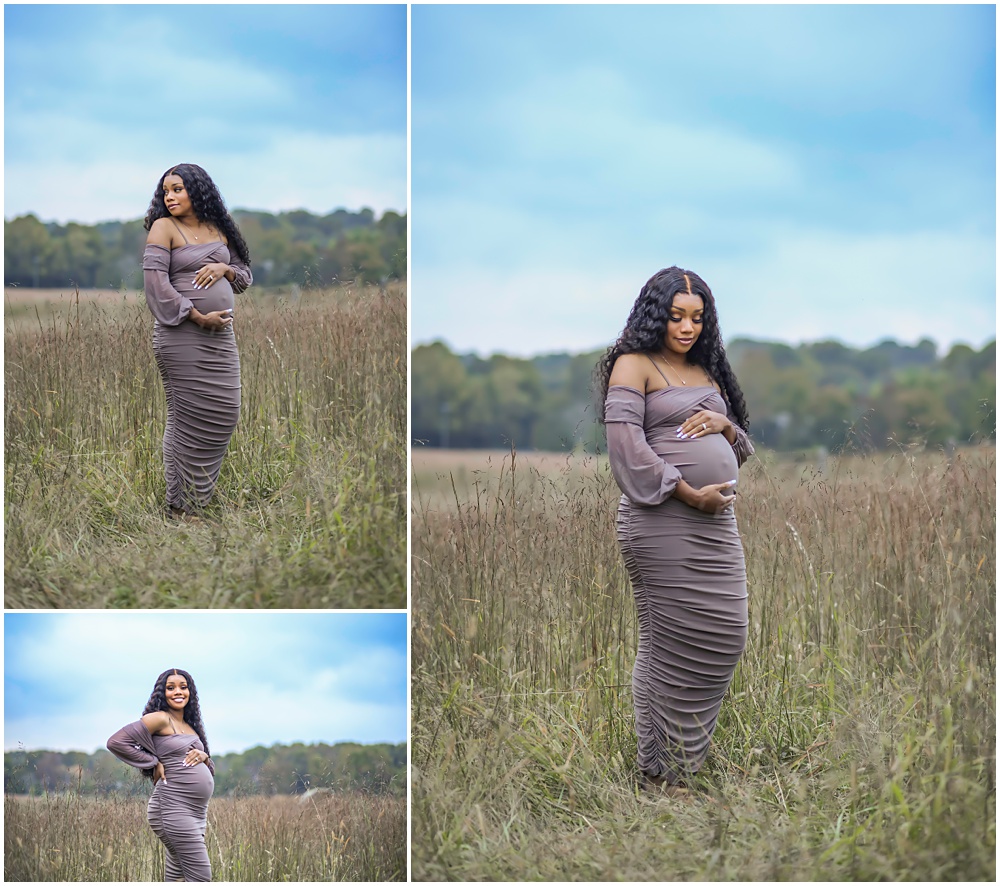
{"x":200,"y":367}
{"x":178,"y":808}
{"x":687,"y":570}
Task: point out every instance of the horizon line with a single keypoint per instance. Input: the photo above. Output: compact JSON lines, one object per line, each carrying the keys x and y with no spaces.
{"x":482,"y":355}
{"x":235,"y":209}
{"x":275,"y":744}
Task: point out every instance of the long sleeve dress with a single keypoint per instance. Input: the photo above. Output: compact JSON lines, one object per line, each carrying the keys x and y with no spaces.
{"x":178,"y":808}
{"x":686,"y":567}
{"x":200,"y":368}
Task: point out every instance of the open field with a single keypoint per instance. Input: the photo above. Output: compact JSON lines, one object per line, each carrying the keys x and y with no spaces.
{"x":858,"y":739}
{"x":25,"y":306}
{"x":347,"y":837}
{"x":310,"y":507}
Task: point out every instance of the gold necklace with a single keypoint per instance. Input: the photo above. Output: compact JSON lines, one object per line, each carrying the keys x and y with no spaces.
{"x":190,"y":229}
{"x":674,"y":368}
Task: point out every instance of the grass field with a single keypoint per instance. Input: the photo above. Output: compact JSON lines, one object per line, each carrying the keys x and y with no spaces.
{"x":328,"y":837}
{"x":858,"y":739}
{"x":310,"y":508}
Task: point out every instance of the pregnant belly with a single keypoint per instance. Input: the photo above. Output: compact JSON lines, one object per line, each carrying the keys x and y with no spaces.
{"x":218,"y":297}
{"x":194,"y":782}
{"x":702,"y":461}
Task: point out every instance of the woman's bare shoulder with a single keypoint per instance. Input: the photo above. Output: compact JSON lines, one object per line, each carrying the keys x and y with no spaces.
{"x":631,"y":370}
{"x":156,"y":721}
{"x":161,"y":233}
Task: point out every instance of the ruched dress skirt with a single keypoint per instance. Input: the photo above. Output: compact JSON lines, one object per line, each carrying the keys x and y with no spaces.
{"x":200,"y":368}
{"x":178,"y":809}
{"x":686,"y":568}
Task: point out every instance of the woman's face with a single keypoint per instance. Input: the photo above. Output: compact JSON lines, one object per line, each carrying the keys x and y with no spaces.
{"x":177,"y":692}
{"x":175,"y":196}
{"x":684,"y":323}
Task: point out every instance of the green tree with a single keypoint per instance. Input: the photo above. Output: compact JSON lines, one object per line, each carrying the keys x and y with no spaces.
{"x":27,"y":252}
{"x":436,"y":395}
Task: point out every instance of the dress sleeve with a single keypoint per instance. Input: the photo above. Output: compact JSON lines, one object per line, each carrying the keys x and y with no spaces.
{"x":742,"y":447}
{"x":242,"y":277}
{"x":164,"y":302}
{"x":123,"y":745}
{"x":640,"y":473}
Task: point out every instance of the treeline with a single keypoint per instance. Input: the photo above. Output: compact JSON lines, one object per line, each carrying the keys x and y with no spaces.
{"x":816,"y":394}
{"x":289,"y":248}
{"x":279,"y":769}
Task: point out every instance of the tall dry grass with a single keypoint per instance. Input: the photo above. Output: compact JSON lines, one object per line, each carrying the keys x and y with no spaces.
{"x":310,"y":506}
{"x":858,"y":738}
{"x":328,"y":837}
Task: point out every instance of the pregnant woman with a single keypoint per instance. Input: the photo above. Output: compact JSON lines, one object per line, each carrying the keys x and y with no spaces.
{"x":168,"y":744}
{"x":676,"y":423}
{"x":195,"y":260}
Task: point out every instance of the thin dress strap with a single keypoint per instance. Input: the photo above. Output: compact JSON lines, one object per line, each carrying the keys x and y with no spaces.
{"x":657,"y":368}
{"x":179,"y":228}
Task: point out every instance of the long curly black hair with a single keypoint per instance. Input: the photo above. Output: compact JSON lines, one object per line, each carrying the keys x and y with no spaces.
{"x":647,"y":325}
{"x":207,"y":203}
{"x":192,"y":710}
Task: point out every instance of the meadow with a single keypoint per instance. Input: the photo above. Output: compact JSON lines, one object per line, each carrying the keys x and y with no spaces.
{"x":325,"y":837}
{"x":310,"y":509}
{"x":858,"y":739}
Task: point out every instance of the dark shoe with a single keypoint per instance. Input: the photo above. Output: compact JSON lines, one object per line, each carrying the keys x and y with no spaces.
{"x":658,"y":784}
{"x":652,"y":784}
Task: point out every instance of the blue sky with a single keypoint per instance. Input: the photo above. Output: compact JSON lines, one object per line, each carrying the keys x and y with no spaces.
{"x":828,"y":170}
{"x":286,"y":107}
{"x":73,"y":679}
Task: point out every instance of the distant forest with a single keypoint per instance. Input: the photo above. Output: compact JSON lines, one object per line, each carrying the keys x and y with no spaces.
{"x":279,"y":769}
{"x":811,"y":395}
{"x":288,"y":248}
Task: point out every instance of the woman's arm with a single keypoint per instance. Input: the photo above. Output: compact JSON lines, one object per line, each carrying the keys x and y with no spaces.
{"x":237,"y":273}
{"x":741,"y":445}
{"x":640,"y":473}
{"x":133,"y":744}
{"x":194,"y":757}
{"x":165,"y":303}
{"x":241,"y":277}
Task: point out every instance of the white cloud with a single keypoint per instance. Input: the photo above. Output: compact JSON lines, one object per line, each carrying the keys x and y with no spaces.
{"x":860,"y":289}
{"x":320,"y":173}
{"x":261,"y":678}
{"x":800,"y":284}
{"x":580,"y":137}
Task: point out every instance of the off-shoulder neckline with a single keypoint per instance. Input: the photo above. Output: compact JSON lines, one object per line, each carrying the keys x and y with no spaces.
{"x":185,"y":245}
{"x":668,"y":388}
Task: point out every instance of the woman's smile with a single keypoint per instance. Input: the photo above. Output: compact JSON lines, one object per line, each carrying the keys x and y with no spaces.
{"x":175,"y":195}
{"x":684,"y":322}
{"x":177,"y":692}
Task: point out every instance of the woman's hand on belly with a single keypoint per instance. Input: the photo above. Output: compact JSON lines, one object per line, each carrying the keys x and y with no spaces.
{"x":194,"y":757}
{"x":208,"y":274}
{"x":213,"y":319}
{"x":705,"y":422}
{"x":711,"y":499}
